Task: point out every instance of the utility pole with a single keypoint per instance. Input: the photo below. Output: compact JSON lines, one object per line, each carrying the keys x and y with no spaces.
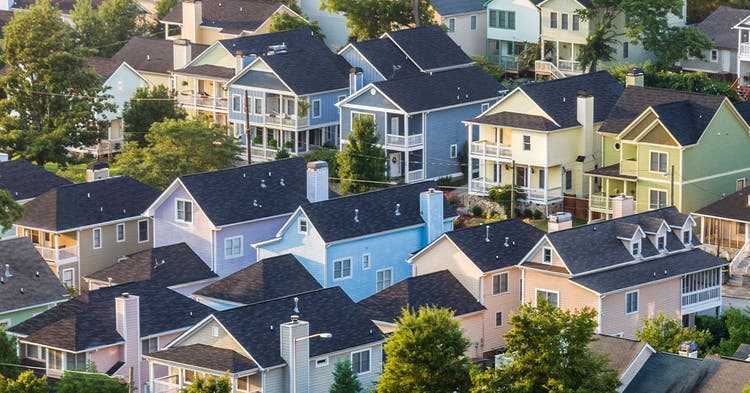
{"x":513,"y":191}
{"x":415,"y":9}
{"x":248,"y":142}
{"x":130,"y":380}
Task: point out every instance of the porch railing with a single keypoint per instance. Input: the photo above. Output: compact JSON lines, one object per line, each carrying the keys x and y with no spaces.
{"x":482,"y":185}
{"x":742,"y":255}
{"x":286,"y":120}
{"x":168,"y":384}
{"x":404,"y":140}
{"x":745,"y":49}
{"x":702,"y":296}
{"x":485,"y":148}
{"x":569,"y":65}
{"x":58,"y":254}
{"x":548,"y":68}
{"x":537,"y":194}
{"x":199,"y":100}
{"x":600,"y":202}
{"x":413,"y":176}
{"x":263,"y":153}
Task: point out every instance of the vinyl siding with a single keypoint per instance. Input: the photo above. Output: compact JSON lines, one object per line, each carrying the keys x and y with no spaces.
{"x":506,"y":303}
{"x":105,"y":358}
{"x":168,"y":231}
{"x":369,"y":73}
{"x":19,"y":316}
{"x":527,"y":21}
{"x":664,"y":297}
{"x":93,"y":260}
{"x":346,"y":122}
{"x":251,"y":233}
{"x":444,"y":255}
{"x":121,"y":86}
{"x":329,"y":112}
{"x":471,"y":41}
{"x":321,"y":378}
{"x":204,"y":336}
{"x":237,"y":116}
{"x":538,"y":255}
{"x":473,"y":329}
{"x":276,"y":380}
{"x":572,"y":296}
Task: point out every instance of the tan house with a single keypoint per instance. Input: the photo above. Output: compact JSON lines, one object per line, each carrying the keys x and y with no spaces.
{"x":725,"y":229}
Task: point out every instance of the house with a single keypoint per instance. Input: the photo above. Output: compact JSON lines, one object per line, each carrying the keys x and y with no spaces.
{"x":725,"y":229}
{"x":219,"y":214}
{"x":721,"y":59}
{"x":466,"y":21}
{"x":484,"y":259}
{"x":81,"y":228}
{"x":176,"y":267}
{"x":439,"y":289}
{"x":361,"y":242}
{"x":267,"y":279}
{"x":541,"y":137}
{"x":285,"y":94}
{"x":27,"y":286}
{"x":743,"y":53}
{"x":742,"y":352}
{"x":110,"y":328}
{"x":26,"y":181}
{"x":332,"y":24}
{"x":268,"y":346}
{"x":511,"y":27}
{"x":666,"y":372}
{"x":655,"y":144}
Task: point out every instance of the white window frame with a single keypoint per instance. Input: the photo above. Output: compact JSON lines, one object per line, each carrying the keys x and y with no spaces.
{"x":149,"y":340}
{"x":538,"y":290}
{"x":637,"y":302}
{"x":451,"y":25}
{"x":390,"y":281}
{"x":321,"y":362}
{"x":232,"y":240}
{"x":485,"y":106}
{"x":663,"y":238}
{"x":214,"y":331}
{"x":526,"y":146}
{"x":575,"y":24}
{"x":741,"y":181}
{"x":555,"y":20}
{"x":564,"y":17}
{"x":501,"y":319}
{"x":568,"y":172}
{"x":320,"y":109}
{"x":94,"y":238}
{"x":666,"y":168}
{"x":148,"y":230}
{"x":640,"y":248}
{"x":714,"y":59}
{"x":242,"y":104}
{"x":369,"y":361}
{"x":302,"y":222}
{"x":473,"y":22}
{"x":72,"y":277}
{"x":689,"y":231}
{"x":500,"y":289}
{"x":184,"y":210}
{"x":256,"y":110}
{"x":368,"y":257}
{"x":544,"y":255}
{"x":651,"y":205}
{"x":342,"y":260}
{"x":49,"y":359}
{"x":117,"y":232}
{"x":454,"y":151}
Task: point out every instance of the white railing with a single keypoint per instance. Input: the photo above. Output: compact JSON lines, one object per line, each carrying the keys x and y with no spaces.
{"x":600,"y":202}
{"x":413,"y":176}
{"x":741,"y":255}
{"x":702,"y":296}
{"x":58,"y":254}
{"x":263,"y":153}
{"x":569,"y":65}
{"x":286,"y":120}
{"x":537,"y":194}
{"x":481,"y":185}
{"x":745,"y":49}
{"x":199,"y":100}
{"x":486,"y":148}
{"x":166,"y":384}
{"x":394,"y":140}
{"x":547,"y":67}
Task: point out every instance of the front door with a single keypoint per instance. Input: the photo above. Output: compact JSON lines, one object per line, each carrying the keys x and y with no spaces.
{"x":394,"y":165}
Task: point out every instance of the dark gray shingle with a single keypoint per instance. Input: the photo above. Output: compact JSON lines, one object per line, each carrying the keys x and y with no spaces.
{"x":24,"y":180}
{"x":429,"y":47}
{"x":30,"y":273}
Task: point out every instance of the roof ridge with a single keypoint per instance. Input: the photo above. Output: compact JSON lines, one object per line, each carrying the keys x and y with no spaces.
{"x":614,"y":220}
{"x":405,"y":185}
{"x":561,"y":80}
{"x":278,"y":298}
{"x":673,"y":90}
{"x":240,"y":167}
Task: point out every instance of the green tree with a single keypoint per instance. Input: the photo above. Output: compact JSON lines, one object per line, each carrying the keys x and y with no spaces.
{"x":696,"y":82}
{"x":738,"y":327}
{"x":549,"y":352}
{"x":53,"y":96}
{"x":8,"y":355}
{"x":122,"y":19}
{"x":163,"y":7}
{"x":746,"y":389}
{"x":426,"y":354}
{"x":492,"y":69}
{"x":209,"y":385}
{"x":666,"y":334}
{"x":502,"y":196}
{"x":362,"y":158}
{"x":88,"y":26}
{"x":26,"y":382}
{"x":344,"y":379}
{"x":284,"y":22}
{"x":178,"y":147}
{"x":325,"y":153}
{"x":370,"y":18}
{"x":90,"y":382}
{"x":10,"y":210}
{"x":146,"y":107}
{"x":281,"y":154}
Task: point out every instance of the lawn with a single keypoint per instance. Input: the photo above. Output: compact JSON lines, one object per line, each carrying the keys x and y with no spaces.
{"x":77,"y":172}
{"x":543,"y":224}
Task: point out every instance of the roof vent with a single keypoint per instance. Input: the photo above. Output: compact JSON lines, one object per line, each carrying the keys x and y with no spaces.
{"x":269,"y":173}
{"x":281,"y":182}
{"x":148,"y":57}
{"x":2,"y":280}
{"x":487,"y":234}
{"x":36,"y":274}
{"x":294,"y":319}
{"x":101,"y":209}
{"x":356,"y":215}
{"x":262,"y":183}
{"x":7,"y":271}
{"x":398,"y":209}
{"x":506,"y":244}
{"x":124,"y":211}
{"x":22,"y":291}
{"x":109,"y":281}
{"x":296,"y":305}
{"x":88,"y":195}
{"x":244,"y":175}
{"x":241,"y":10}
{"x":125,"y":294}
{"x":563,"y":98}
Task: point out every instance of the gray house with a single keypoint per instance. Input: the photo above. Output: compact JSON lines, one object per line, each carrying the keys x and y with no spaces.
{"x":722,"y":57}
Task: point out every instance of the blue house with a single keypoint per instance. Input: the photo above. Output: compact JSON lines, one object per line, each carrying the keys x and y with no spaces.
{"x":418,"y":87}
{"x":361,"y":242}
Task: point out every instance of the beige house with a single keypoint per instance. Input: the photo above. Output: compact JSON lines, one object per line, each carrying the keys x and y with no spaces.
{"x":466,"y":23}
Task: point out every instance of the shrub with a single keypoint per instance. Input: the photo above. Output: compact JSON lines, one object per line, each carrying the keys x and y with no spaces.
{"x":455,"y":201}
{"x":272,"y":143}
{"x":517,"y":212}
{"x":257,"y":140}
{"x":288,"y":145}
{"x":476,"y":210}
{"x":281,"y":154}
{"x":537,"y":214}
{"x":528,"y":213}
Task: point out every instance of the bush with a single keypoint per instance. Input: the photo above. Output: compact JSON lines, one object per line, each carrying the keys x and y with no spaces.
{"x":517,"y":212}
{"x":455,"y":201}
{"x":537,"y":214}
{"x":288,"y":145}
{"x":329,"y":145}
{"x":528,"y":213}
{"x":272,"y":143}
{"x":327,"y":155}
{"x":257,"y":140}
{"x":281,"y":154}
{"x":445,"y":181}
{"x":476,"y":210}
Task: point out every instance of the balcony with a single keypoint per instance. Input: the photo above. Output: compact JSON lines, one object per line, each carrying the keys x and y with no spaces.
{"x":491,"y":150}
{"x":58,"y":255}
{"x":600,"y":202}
{"x":404,"y":141}
{"x":701,"y":300}
{"x":745,"y":49}
{"x":285,"y":120}
{"x":569,"y":66}
{"x":168,"y":384}
{"x":413,"y":176}
{"x":481,"y":186}
{"x":537,"y":194}
{"x":202,"y":101}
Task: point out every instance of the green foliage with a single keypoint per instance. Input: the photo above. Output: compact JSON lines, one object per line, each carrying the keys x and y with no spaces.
{"x":537,"y":214}
{"x":530,"y":54}
{"x":476,"y":211}
{"x":146,"y":107}
{"x":502,"y":196}
{"x":344,"y":379}
{"x":79,"y":382}
{"x":426,"y":354}
{"x":53,"y":96}
{"x":122,"y":19}
{"x":163,"y":7}
{"x":284,"y":22}
{"x":8,"y":355}
{"x":717,"y":327}
{"x":696,"y":82}
{"x":371,"y":18}
{"x":549,"y":353}
{"x":324,"y":154}
{"x":746,"y":389}
{"x":738,"y":328}
{"x":10,"y":210}
{"x":209,"y":385}
{"x":666,"y":334}
{"x":362,"y":158}
{"x":675,"y":41}
{"x":492,"y":69}
{"x":178,"y":147}
{"x":88,"y":26}
{"x":273,"y":143}
{"x":281,"y":154}
{"x":26,"y":382}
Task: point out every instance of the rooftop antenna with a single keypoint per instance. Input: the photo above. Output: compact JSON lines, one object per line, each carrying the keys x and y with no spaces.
{"x":356,"y":215}
{"x":296,"y":304}
{"x":398,"y":209}
{"x":487,"y":234}
{"x":396,"y":67}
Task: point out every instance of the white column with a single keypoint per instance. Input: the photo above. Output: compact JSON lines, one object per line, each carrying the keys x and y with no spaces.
{"x":406,"y":164}
{"x":546,"y":185}
{"x":606,"y":194}
{"x":591,"y":194}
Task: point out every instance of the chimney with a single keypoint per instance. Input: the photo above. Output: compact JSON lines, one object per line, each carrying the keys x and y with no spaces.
{"x":559,"y":221}
{"x":127,"y":324}
{"x":585,"y":116}
{"x":634,"y":77}
{"x":689,"y":349}
{"x":290,"y":331}
{"x":6,"y":5}
{"x":431,"y":210}
{"x":317,"y":181}
{"x":97,"y":171}
{"x":3,"y":157}
{"x":182,"y":53}
{"x":192,"y":17}
{"x":622,"y":206}
{"x":355,"y":79}
{"x":239,"y":61}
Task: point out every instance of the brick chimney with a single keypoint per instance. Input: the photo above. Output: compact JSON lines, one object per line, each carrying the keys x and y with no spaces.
{"x":127,"y":324}
{"x":192,"y":17}
{"x":317,"y":181}
{"x":431,"y":210}
{"x":291,"y":331}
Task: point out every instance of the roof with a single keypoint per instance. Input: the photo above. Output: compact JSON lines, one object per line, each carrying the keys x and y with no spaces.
{"x":30,"y":274}
{"x":266,"y":279}
{"x":439,"y":289}
{"x":89,"y":321}
{"x":742,"y":352}
{"x":209,"y":70}
{"x":734,"y":206}
{"x":743,"y":108}
{"x":231,"y":16}
{"x":610,"y":171}
{"x":375,"y":212}
{"x":429,"y":47}
{"x":620,"y":351}
{"x":66,"y":6}
{"x":718,"y":26}
{"x":455,"y":7}
{"x":166,"y":266}
{"x":666,"y":372}
{"x":297,"y":39}
{"x":387,"y":58}
{"x":78,"y":205}
{"x":326,"y":310}
{"x":226,"y":196}
{"x":103,"y":66}
{"x":310,"y":72}
{"x":25,"y":180}
{"x":153,"y":55}
{"x":684,"y":119}
{"x":493,"y":255}
{"x":558,"y":98}
{"x":425,"y":91}
{"x":207,"y":357}
{"x":517,"y":120}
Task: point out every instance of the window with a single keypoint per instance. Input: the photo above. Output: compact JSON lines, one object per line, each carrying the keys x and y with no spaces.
{"x":358,"y":116}
{"x":120,"y":233}
{"x":302,"y":226}
{"x":541,"y":178}
{"x":658,"y":162}
{"x":75,"y":361}
{"x":149,"y":345}
{"x":564,"y":21}
{"x":625,"y":50}
{"x":631,"y":302}
{"x":521,"y":176}
{"x":502,"y":19}
{"x":54,"y":359}
{"x":553,"y":20}
{"x":97,"y":241}
{"x":452,"y":25}
{"x":473,"y":22}
{"x":549,"y":296}
{"x":687,"y":236}
{"x":233,"y":247}
{"x":316,"y":108}
{"x":67,"y":278}
{"x":661,"y":243}
{"x":34,"y":351}
{"x":568,"y":180}
{"x":321,"y":362}
{"x":184,"y":211}
{"x":383,"y":279}
{"x":740,"y":184}
{"x":454,"y":151}
{"x":290,"y":106}
{"x":365,"y":261}
{"x":258,"y":106}
{"x":498,"y":319}
{"x":236,"y":103}
{"x":714,"y":55}
{"x":239,"y":130}
{"x":547,"y":255}
{"x":214,"y":331}
{"x":485,"y":106}
{"x":500,"y":283}
{"x":527,"y":142}
{"x":635,"y":248}
{"x":342,"y":269}
{"x":744,"y":35}
{"x":361,"y":362}
{"x":576,"y":22}
{"x":142,"y":231}
{"x":657,"y":199}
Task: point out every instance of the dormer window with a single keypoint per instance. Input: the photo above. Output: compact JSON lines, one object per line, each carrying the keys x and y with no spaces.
{"x":661,"y":243}
{"x":635,"y":248}
{"x":547,"y":255}
{"x":687,"y":236}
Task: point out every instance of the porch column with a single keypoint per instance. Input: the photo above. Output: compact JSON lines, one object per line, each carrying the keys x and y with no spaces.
{"x":469,"y":170}
{"x":406,"y":129}
{"x":234,"y":384}
{"x":307,"y":139}
{"x":591,"y":193}
{"x":606,"y":194}
{"x":528,"y":180}
{"x":195,"y":93}
{"x":406,"y":165}
{"x":150,"y":376}
{"x":546,"y":187}
{"x":704,"y":220}
{"x":296,"y":142}
{"x":625,"y":187}
{"x":557,"y":53}
{"x":265,"y":138}
{"x":747,"y":232}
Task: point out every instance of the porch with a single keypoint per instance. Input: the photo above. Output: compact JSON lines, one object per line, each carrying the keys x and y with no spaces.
{"x":538,"y":185}
{"x":403,"y":132}
{"x":266,"y":142}
{"x":723,"y":237}
{"x":489,"y":149}
{"x":55,"y":248}
{"x":407,"y":165}
{"x":285,"y":111}
{"x":604,"y":185}
{"x":559,"y":57}
{"x":505,"y":54}
{"x":201,"y":94}
{"x":701,"y":291}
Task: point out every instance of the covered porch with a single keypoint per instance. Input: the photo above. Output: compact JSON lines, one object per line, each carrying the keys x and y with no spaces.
{"x":407,"y":165}
{"x":559,"y":58}
{"x":723,"y":237}
{"x":505,"y":53}
{"x":266,"y":142}
{"x":56,"y":248}
{"x":540,"y":185}
{"x":607,"y":183}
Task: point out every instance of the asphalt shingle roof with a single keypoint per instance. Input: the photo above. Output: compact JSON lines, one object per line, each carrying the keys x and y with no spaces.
{"x":429,"y":47}
{"x":611,"y":171}
{"x":29,"y":272}
{"x":439,"y":289}
{"x":387,"y":58}
{"x":24,"y":180}
{"x":517,"y":120}
{"x":493,"y":255}
{"x":226,"y":196}
{"x":718,"y":26}
{"x":455,"y":7}
{"x":734,"y":206}
{"x":5,"y":17}
{"x":334,"y":219}
{"x":742,"y":352}
{"x":231,"y":16}
{"x":266,"y":279}
{"x":209,"y":70}
{"x":297,"y":39}
{"x":670,"y":373}
{"x":208,"y":357}
{"x":306,"y":72}
{"x":77,"y":205}
{"x":621,"y":351}
{"x":151,"y":54}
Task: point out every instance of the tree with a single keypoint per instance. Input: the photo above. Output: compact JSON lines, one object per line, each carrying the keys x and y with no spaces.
{"x":163,"y":7}
{"x":10,"y":210}
{"x":549,"y":352}
{"x":746,"y":389}
{"x":426,"y":354}
{"x":738,"y":326}
{"x":344,"y":379}
{"x":326,"y":153}
{"x":492,"y":69}
{"x":89,"y":382}
{"x":8,"y":355}
{"x":371,"y":18}
{"x":502,"y":196}
{"x":283,"y":22}
{"x":122,"y":20}
{"x":53,"y":96}
{"x":209,"y":385}
{"x":89,"y":27}
{"x":362,"y":158}
{"x":666,"y":334}
{"x":146,"y":107}
{"x":686,"y":81}
{"x":178,"y":147}
{"x":26,"y":382}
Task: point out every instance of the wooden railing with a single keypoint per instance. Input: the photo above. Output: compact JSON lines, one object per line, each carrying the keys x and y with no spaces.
{"x":537,"y":194}
{"x":203,"y":101}
{"x":548,"y":68}
{"x":701,"y":296}
{"x":569,"y":65}
{"x":286,"y":120}
{"x":58,"y":254}
{"x":482,"y":185}
{"x":486,"y":148}
{"x":600,"y":202}
{"x":745,"y":49}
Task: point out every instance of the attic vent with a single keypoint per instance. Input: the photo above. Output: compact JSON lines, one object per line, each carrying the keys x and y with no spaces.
{"x":244,"y":175}
{"x":281,"y":182}
{"x":398,"y":209}
{"x":356,"y":215}
{"x":506,"y":244}
{"x":88,"y":195}
{"x":487,"y":234}
{"x":262,"y":183}
{"x":7,"y":271}
{"x":255,"y":203}
{"x":36,"y":274}
{"x":241,"y":9}
{"x":148,"y":57}
{"x":296,"y":304}
{"x":269,"y":173}
{"x":101,"y":209}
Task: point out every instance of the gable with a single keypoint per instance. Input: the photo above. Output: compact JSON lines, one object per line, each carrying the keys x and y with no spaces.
{"x":537,"y":256}
{"x":372,"y":98}
{"x":638,"y":125}
{"x":217,"y":55}
{"x":658,"y":135}
{"x":261,"y":79}
{"x":204,"y":334}
{"x":443,"y":254}
{"x":517,"y":102}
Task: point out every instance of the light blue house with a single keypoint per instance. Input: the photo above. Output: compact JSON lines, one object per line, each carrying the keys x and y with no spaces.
{"x":361,"y":242}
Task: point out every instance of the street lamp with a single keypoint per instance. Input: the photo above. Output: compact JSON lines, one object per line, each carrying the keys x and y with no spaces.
{"x":294,"y":355}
